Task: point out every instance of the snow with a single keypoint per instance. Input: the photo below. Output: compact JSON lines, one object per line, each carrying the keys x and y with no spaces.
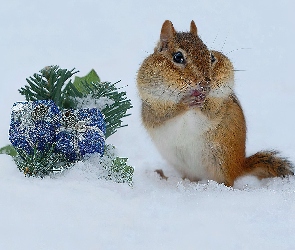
{"x":88,"y":102}
{"x":79,"y":211}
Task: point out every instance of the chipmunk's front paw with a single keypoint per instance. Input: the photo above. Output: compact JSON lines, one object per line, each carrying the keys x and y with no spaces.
{"x":196,"y":97}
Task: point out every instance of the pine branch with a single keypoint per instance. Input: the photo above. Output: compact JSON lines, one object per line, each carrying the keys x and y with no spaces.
{"x":48,"y":85}
{"x":41,"y":163}
{"x":114,"y":112}
{"x":52,"y":83}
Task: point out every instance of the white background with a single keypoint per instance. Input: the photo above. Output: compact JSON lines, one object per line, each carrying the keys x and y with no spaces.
{"x":77,"y":211}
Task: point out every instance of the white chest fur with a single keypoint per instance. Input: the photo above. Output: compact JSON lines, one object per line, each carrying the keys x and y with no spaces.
{"x":181,"y":141}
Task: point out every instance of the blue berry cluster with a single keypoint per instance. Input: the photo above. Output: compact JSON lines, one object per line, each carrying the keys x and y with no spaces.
{"x":40,"y":125}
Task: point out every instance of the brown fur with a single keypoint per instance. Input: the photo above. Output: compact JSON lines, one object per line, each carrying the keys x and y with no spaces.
{"x":227,"y":140}
{"x":266,"y":164}
{"x":151,"y":73}
{"x":164,"y":87}
{"x":155,"y":114}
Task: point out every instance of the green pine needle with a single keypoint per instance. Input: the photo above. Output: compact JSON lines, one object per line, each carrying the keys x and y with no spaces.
{"x":41,"y":163}
{"x":48,"y":85}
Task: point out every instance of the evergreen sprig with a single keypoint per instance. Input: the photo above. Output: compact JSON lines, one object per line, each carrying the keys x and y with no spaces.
{"x":113,"y":112}
{"x":49,"y":84}
{"x":54,"y":83}
{"x":41,"y":163}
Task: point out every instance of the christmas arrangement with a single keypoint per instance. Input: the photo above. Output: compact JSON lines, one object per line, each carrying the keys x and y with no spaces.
{"x":64,"y":121}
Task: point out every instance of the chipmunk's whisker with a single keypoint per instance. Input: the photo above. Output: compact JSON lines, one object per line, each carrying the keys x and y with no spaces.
{"x":236,"y":50}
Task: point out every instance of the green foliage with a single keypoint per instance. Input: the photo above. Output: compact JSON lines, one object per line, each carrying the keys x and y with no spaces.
{"x":116,"y":167}
{"x":90,"y":77}
{"x":122,"y":171}
{"x":50,"y":84}
{"x":54,"y":83}
{"x":40,"y":163}
{"x":113,"y":112}
{"x":8,"y":150}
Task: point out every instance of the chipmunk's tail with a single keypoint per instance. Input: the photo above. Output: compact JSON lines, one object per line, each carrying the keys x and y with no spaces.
{"x":266,"y":164}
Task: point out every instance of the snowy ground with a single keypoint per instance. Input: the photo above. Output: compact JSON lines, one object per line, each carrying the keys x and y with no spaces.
{"x":77,"y":211}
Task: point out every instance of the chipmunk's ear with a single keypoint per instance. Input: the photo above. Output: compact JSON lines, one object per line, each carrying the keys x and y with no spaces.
{"x":194,"y":29}
{"x":167,"y":33}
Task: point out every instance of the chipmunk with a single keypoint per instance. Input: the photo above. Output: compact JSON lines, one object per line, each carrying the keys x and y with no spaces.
{"x":192,"y":114}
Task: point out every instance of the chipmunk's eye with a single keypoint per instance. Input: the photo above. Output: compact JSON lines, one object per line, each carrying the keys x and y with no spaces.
{"x":178,"y":57}
{"x":213,"y":59}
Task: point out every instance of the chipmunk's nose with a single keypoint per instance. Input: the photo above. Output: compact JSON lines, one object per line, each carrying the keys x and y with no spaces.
{"x":205,"y":84}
